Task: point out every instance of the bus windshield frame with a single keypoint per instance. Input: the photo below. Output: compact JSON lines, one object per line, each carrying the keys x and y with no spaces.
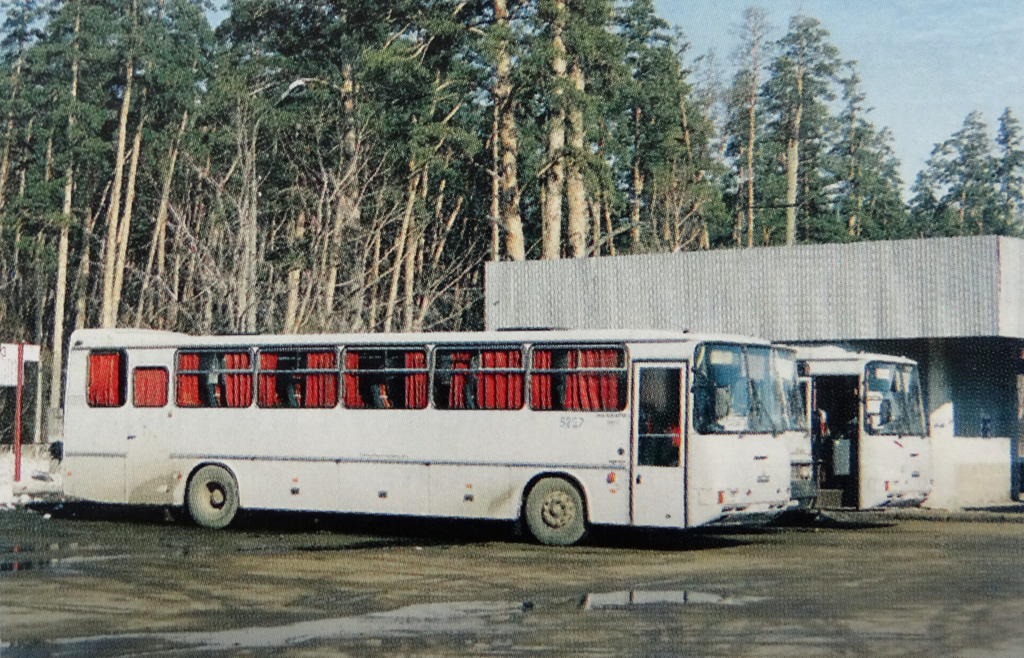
{"x":892,"y":399}
{"x":737,"y":389}
{"x":792,"y":394}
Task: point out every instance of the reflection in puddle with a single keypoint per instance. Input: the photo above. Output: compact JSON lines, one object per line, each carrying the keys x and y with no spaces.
{"x":421,"y":619}
{"x":636,"y":597}
{"x":54,"y":563}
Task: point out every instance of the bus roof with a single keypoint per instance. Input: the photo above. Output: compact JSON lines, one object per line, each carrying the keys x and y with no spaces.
{"x":836,"y":354}
{"x":116,"y":338}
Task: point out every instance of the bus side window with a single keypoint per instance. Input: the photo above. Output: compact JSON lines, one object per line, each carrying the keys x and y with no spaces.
{"x":108,"y":379}
{"x":298,"y":378}
{"x":578,"y":379}
{"x":150,"y":387}
{"x":214,"y":379}
{"x":473,"y":378}
{"x":378,"y":378}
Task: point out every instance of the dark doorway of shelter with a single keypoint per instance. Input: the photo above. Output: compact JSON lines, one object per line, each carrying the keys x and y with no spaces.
{"x":835,"y":446}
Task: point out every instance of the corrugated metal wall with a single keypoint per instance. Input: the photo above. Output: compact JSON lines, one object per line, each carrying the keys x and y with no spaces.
{"x":942,"y":287}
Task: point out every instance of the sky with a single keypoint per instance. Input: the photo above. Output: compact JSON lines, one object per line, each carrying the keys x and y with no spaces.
{"x":924,"y":64}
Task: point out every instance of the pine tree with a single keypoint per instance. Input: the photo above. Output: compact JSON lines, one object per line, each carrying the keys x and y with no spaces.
{"x":1010,"y":170}
{"x":797,"y":96}
{"x":865,"y":189}
{"x":962,"y":174}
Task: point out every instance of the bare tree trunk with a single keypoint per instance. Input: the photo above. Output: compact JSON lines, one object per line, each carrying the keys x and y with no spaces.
{"x":247,"y":229}
{"x":294,"y":278}
{"x":157,"y":247}
{"x":608,"y":222}
{"x":409,"y":278}
{"x":576,"y":192}
{"x":793,"y":159}
{"x":126,"y":220}
{"x":5,"y":163}
{"x":495,"y":214}
{"x":389,"y":309}
{"x":82,"y":279}
{"x":512,"y":222}
{"x":108,"y":314}
{"x":57,"y":363}
{"x":374,"y":277}
{"x":638,"y":182}
{"x":751,"y":138}
{"x":348,"y":210}
{"x":552,"y":233}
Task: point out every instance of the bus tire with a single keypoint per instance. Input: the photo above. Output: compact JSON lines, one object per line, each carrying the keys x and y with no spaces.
{"x":212,"y":497}
{"x":555,"y":513}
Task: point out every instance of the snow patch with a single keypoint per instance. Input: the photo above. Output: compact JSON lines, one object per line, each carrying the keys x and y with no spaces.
{"x":36,"y":480}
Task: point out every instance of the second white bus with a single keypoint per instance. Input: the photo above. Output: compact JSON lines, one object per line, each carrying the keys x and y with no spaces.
{"x":557,"y":429}
{"x":870,"y":441}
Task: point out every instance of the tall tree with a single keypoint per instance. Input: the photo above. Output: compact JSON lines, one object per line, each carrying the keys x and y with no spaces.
{"x":1010,"y":144}
{"x":797,"y":97}
{"x":745,"y":119}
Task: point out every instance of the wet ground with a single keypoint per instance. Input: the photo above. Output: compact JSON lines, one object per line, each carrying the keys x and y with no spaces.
{"x":111,"y":582}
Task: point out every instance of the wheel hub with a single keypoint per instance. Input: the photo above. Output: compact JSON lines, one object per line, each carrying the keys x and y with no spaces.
{"x":558,"y":509}
{"x":217,"y":497}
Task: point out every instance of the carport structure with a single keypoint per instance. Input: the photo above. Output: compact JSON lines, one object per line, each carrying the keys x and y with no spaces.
{"x":955,"y":305}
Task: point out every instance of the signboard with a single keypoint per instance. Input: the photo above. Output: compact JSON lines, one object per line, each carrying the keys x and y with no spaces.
{"x":9,"y":361}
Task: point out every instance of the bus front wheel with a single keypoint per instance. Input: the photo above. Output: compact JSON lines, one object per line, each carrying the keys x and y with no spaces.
{"x":212,"y":497}
{"x":555,"y":512}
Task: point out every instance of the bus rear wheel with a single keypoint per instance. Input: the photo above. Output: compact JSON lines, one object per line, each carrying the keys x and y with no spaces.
{"x":212,"y":497}
{"x":555,"y":513}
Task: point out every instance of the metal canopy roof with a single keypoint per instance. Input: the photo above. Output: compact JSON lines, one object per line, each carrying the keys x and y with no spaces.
{"x":932,"y":288}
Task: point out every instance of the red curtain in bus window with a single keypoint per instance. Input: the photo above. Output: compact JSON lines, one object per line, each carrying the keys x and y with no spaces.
{"x":540,"y":383}
{"x":150,"y":387}
{"x":457,"y":392}
{"x":500,"y":390}
{"x":588,"y":391}
{"x":188,"y":385}
{"x":572,"y":383}
{"x":609,"y":381}
{"x":105,"y":380}
{"x":416,"y":383}
{"x":321,"y":388}
{"x":352,"y":398}
{"x":267,"y":393}
{"x":237,"y":386}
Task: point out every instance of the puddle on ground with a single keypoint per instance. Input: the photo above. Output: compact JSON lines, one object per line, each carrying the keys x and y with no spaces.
{"x":638,"y":597}
{"x":410,"y":621}
{"x":474,"y":618}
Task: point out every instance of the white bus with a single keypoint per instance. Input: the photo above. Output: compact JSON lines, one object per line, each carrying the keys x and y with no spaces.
{"x":558,"y":429}
{"x":795,"y":392}
{"x":870,"y":442}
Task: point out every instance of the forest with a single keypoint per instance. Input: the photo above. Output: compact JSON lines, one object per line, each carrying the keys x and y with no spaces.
{"x":350,"y":165}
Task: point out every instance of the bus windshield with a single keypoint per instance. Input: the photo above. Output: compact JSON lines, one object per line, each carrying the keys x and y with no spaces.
{"x":736,"y":390}
{"x":791,"y":392}
{"x":893,"y":402}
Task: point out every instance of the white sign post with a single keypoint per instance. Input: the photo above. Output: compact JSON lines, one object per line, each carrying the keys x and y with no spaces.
{"x":12,"y":373}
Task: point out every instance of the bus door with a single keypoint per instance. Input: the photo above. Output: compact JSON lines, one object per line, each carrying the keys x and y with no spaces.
{"x":835,"y":425}
{"x":658,"y":480}
{"x":149,"y":472}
